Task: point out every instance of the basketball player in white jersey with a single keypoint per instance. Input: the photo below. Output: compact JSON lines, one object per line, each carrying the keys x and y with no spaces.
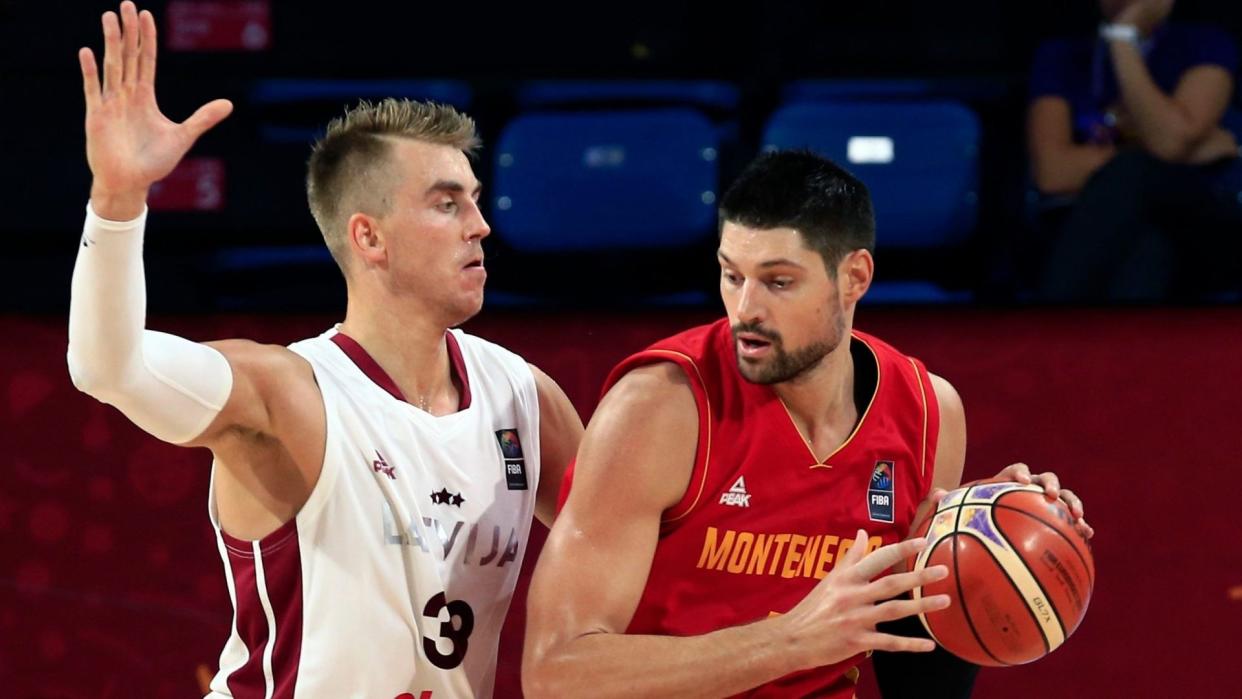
{"x":372,"y":487}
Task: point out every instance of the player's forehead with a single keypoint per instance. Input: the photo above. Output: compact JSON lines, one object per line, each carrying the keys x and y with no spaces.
{"x":743,"y":245}
{"x":430,"y":167}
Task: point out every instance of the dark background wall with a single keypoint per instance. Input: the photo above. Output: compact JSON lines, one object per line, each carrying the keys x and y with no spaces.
{"x":981,"y":47}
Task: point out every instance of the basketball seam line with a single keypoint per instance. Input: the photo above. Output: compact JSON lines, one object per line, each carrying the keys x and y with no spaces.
{"x":961,"y":595}
{"x":1035,"y":579}
{"x":1081,"y":558}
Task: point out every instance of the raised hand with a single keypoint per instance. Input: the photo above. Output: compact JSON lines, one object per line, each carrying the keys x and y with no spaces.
{"x":130,"y":144}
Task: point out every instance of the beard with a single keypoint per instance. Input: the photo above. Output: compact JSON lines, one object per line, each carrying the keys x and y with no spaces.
{"x":786,"y":365}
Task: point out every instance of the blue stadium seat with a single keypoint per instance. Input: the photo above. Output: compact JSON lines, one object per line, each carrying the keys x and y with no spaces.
{"x":919,"y":159}
{"x":597,"y":181}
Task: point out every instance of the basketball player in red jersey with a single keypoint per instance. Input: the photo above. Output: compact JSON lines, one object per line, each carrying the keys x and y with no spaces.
{"x":743,"y":486}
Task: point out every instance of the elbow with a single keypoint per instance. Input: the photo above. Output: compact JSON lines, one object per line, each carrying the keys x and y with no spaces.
{"x":1050,"y":181}
{"x":1171,"y":152}
{"x":1174,"y":145}
{"x":88,"y":379}
{"x":1043,"y":181}
{"x":537,"y":679}
{"x":544,"y":674}
{"x":82,"y":377}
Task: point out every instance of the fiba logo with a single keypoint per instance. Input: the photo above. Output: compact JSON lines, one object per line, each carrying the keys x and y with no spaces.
{"x":880,"y":492}
{"x":882,"y":476}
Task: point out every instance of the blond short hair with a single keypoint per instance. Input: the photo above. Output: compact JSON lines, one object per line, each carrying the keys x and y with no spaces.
{"x":349,"y":171}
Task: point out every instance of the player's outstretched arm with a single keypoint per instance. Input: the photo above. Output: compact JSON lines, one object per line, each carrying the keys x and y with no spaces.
{"x":635,"y":462}
{"x":177,"y":390}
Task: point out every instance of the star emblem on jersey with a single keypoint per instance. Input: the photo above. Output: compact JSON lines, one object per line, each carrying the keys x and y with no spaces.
{"x":381,"y":466}
{"x":444,"y":497}
{"x":737,"y":495}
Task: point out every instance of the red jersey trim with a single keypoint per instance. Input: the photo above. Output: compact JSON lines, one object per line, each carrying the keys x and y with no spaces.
{"x":365,"y":362}
{"x":458,"y":364}
{"x":267,"y":581}
{"x":703,"y":455}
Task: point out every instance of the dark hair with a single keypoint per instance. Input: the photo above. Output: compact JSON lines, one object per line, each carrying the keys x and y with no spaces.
{"x":806,"y":192}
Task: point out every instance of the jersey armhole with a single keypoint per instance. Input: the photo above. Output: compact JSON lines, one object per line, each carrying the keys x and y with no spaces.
{"x":703,"y":450}
{"x":930,"y":411}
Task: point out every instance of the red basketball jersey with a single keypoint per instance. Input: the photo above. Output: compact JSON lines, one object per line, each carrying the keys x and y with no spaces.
{"x":763,"y":519}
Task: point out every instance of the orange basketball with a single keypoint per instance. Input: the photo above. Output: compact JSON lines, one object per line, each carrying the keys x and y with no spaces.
{"x":1020,"y":576}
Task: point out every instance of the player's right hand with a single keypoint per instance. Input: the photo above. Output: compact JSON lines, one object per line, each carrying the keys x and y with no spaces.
{"x":837,"y":619}
{"x":130,"y":144}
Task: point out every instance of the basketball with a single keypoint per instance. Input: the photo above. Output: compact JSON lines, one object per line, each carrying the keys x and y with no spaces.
{"x":1020,"y":576}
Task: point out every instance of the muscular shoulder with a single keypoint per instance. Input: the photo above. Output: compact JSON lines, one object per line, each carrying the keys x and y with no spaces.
{"x":651,"y":392}
{"x":644,"y":435}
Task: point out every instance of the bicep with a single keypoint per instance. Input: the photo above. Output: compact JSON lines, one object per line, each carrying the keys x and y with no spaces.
{"x":634,"y":463}
{"x":560,"y":433}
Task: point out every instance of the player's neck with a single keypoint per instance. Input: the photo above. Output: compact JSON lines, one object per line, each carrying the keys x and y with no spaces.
{"x":822,"y":399}
{"x":409,"y":347}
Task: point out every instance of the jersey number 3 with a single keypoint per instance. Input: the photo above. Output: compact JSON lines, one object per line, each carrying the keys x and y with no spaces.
{"x":456,"y":630}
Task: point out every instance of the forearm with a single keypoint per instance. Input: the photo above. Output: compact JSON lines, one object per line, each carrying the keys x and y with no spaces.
{"x":168,"y":386}
{"x":1159,"y":122}
{"x":107,"y":303}
{"x":1067,"y":169}
{"x":717,"y":664}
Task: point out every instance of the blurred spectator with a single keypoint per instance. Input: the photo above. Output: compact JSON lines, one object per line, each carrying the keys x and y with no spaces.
{"x":1138,"y":179}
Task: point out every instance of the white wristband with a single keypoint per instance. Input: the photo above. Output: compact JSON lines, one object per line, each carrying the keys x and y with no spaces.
{"x":1120,"y":32}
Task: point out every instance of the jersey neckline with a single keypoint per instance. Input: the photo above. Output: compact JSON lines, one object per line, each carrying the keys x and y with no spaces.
{"x":373,"y":371}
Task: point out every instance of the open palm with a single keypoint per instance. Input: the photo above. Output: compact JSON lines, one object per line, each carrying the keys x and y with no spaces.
{"x":130,"y":144}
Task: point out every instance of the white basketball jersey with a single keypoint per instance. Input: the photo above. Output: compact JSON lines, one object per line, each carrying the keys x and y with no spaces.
{"x":394,"y":579}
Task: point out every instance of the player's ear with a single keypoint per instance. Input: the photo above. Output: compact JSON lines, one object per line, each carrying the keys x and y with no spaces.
{"x":854,"y":274}
{"x":365,"y":238}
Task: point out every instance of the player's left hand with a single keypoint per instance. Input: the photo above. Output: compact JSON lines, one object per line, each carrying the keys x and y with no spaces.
{"x":1052,"y":488}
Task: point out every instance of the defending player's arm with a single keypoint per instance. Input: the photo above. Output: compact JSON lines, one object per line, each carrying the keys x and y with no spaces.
{"x":635,"y":462}
{"x":177,"y":390}
{"x":560,"y":433}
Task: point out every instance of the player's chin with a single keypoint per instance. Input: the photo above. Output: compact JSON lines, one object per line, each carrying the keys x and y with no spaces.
{"x":464,"y":305}
{"x":472,"y":303}
{"x":752,"y":369}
